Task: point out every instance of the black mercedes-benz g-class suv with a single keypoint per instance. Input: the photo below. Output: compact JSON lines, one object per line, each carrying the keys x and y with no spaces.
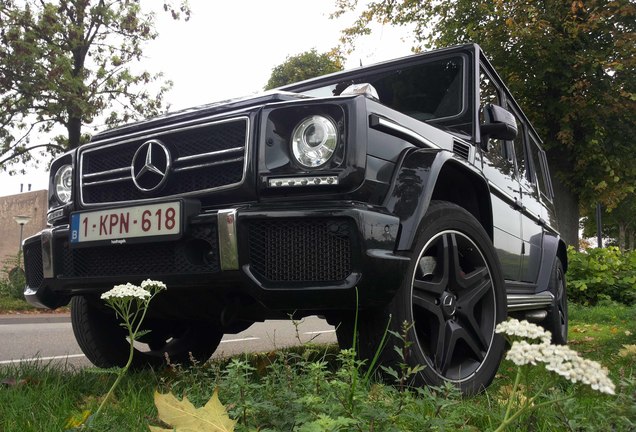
{"x":412,"y":190}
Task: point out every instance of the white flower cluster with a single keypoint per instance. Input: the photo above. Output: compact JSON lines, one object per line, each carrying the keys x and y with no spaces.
{"x":524,"y":329}
{"x":157,"y":285}
{"x":126,"y":291}
{"x":557,"y":358}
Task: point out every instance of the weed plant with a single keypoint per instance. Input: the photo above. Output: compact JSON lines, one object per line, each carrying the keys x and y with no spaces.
{"x":12,"y":280}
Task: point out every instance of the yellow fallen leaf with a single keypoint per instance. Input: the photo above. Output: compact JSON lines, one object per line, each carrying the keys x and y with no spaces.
{"x":184,"y":417}
{"x":627,"y":351}
{"x":77,"y":420}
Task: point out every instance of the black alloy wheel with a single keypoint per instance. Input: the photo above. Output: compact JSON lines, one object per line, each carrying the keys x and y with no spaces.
{"x":453,"y":296}
{"x":105,"y":343}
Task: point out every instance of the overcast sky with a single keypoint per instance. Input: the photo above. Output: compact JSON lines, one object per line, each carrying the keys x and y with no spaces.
{"x":229,"y":49}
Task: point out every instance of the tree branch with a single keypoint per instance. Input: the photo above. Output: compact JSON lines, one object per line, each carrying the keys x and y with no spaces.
{"x":19,"y":153}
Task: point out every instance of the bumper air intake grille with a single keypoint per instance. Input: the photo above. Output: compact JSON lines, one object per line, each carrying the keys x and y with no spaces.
{"x":301,"y":250}
{"x":201,"y":158}
{"x":187,"y":256}
{"x":33,"y":264}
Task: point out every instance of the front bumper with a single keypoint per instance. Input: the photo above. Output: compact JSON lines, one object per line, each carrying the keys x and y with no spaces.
{"x":285,"y":257}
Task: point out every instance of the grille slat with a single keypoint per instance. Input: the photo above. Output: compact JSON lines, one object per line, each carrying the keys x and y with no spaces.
{"x":205,"y":157}
{"x":301,"y":250}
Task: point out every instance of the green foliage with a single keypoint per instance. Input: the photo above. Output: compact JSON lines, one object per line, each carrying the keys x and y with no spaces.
{"x":303,"y":66}
{"x":570,"y":65}
{"x":66,"y":62}
{"x":601,"y":274}
{"x":12,"y":281}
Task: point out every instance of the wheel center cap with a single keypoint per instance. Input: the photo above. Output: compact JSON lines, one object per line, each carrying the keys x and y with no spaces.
{"x":449,"y":304}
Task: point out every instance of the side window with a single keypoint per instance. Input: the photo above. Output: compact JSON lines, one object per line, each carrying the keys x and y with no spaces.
{"x":520,"y":153}
{"x":488,"y":92}
{"x":500,"y":152}
{"x":541,"y":176}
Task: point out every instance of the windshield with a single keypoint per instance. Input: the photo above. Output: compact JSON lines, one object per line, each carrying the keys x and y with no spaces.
{"x":428,"y":91}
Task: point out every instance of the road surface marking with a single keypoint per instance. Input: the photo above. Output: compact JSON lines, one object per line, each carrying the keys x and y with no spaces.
{"x":42,"y":358}
{"x":240,"y":340}
{"x":319,"y":332}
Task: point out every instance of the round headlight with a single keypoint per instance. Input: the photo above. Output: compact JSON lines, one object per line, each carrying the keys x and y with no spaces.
{"x":314,"y":141}
{"x":64,"y":183}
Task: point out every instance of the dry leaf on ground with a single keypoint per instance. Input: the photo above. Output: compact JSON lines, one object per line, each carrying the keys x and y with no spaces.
{"x":184,"y":417}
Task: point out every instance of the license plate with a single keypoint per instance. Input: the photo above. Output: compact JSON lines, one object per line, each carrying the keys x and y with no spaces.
{"x":118,"y":226}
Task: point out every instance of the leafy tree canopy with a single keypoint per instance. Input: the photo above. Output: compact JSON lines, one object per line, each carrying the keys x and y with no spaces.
{"x":66,"y":62}
{"x":570,"y":64}
{"x":303,"y":66}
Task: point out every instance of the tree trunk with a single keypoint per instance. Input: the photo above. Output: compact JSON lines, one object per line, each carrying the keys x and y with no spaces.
{"x":566,"y":204}
{"x":622,"y":236}
{"x":632,"y":237}
{"x":74,"y":128}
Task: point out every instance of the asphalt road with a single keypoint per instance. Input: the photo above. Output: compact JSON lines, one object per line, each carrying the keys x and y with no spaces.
{"x":49,"y":338}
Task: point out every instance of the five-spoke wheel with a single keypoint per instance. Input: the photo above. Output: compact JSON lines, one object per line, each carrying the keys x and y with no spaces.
{"x":452,"y":299}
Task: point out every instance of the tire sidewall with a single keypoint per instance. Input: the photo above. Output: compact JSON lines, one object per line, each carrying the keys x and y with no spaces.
{"x":558,"y":289}
{"x":104,"y":342}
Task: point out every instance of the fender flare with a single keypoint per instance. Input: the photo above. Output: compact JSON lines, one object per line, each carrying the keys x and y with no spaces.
{"x":553,"y":248}
{"x":417,"y":181}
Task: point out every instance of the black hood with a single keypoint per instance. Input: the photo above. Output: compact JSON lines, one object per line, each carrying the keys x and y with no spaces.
{"x":200,"y":112}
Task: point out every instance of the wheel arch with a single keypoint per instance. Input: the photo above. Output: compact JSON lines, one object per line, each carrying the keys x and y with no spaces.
{"x":553,"y":248}
{"x":426,"y":175}
{"x":461,"y":186}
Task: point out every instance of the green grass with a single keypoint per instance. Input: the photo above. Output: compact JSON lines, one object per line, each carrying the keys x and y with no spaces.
{"x":10,"y":304}
{"x":315,"y":388}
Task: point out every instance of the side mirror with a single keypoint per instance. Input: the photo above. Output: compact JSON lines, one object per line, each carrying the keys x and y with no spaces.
{"x":499,"y":123}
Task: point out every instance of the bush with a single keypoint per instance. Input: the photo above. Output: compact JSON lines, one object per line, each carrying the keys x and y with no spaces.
{"x":13,"y":281}
{"x":602,"y":274}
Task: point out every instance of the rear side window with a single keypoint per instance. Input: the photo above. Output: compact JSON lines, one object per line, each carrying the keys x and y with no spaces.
{"x":540,"y":173}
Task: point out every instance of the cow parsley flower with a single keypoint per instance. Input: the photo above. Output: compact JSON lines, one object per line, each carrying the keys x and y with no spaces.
{"x":522,"y":353}
{"x":531,"y":346}
{"x":560,"y":359}
{"x":127,"y":291}
{"x":150,"y":285}
{"x":523,"y":329}
{"x":130,"y":303}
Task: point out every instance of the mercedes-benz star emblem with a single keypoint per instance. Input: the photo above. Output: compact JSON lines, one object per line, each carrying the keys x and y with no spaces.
{"x":150,"y":166}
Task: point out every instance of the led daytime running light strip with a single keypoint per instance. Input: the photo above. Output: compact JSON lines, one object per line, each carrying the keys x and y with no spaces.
{"x":303,"y":181}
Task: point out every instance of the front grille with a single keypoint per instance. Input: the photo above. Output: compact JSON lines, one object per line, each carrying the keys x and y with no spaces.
{"x":301,"y":250}
{"x":188,"y":256}
{"x":201,"y":158}
{"x":33,"y":264}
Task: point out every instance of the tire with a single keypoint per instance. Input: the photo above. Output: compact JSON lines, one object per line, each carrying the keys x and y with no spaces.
{"x":105,"y":343}
{"x":557,"y":320}
{"x":454,"y":296}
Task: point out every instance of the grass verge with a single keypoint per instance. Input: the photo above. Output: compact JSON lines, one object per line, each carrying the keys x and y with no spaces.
{"x":318,"y":388}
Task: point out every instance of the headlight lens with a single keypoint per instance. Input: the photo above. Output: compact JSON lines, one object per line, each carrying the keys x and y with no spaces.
{"x":314,"y":141}
{"x":64,"y":183}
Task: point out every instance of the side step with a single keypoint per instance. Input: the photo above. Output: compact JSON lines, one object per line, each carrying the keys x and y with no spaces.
{"x":519,"y":302}
{"x":532,"y":307}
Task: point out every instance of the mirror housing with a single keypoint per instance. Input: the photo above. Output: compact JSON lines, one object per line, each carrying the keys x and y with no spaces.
{"x":499,"y":124}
